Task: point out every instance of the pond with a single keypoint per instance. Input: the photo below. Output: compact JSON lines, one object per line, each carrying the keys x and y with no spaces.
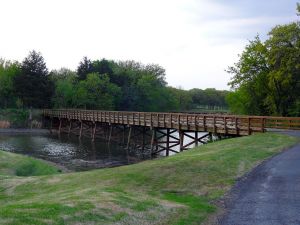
{"x":71,"y":152}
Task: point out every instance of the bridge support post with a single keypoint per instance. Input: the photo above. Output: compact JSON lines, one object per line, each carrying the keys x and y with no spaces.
{"x":129,"y":137}
{"x":210,"y":137}
{"x":143,"y":138}
{"x":110,"y":133}
{"x":60,"y":124}
{"x":70,"y":127}
{"x":168,"y":142}
{"x":94,"y":131}
{"x":181,"y":138}
{"x":152,"y":141}
{"x":51,"y":125}
{"x":123,"y":135}
{"x":81,"y":126}
{"x":196,"y":139}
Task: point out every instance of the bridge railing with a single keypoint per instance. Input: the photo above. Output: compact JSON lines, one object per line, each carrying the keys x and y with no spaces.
{"x":225,"y":124}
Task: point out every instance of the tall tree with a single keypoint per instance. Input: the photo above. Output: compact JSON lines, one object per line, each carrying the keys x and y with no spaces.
{"x":33,"y":85}
{"x":85,"y":67}
{"x":284,"y":61}
{"x":8,"y":71}
{"x":250,"y":75}
{"x":97,"y":92}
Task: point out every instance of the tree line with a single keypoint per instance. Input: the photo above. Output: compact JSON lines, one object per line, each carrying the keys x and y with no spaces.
{"x":266,"y":78}
{"x":97,"y":84}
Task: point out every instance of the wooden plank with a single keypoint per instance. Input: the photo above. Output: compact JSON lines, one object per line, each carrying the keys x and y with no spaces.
{"x":186,"y":121}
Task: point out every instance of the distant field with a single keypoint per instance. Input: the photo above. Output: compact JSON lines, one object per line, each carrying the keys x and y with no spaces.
{"x":210,"y":109}
{"x":180,"y":189}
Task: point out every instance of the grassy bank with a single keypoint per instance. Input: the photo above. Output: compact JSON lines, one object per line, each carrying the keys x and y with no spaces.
{"x":18,"y":165}
{"x":176,"y":190}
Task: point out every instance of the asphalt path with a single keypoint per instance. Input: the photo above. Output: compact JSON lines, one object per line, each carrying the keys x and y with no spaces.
{"x":270,"y":194}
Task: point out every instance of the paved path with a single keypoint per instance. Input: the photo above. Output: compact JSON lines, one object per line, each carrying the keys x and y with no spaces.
{"x":270,"y":195}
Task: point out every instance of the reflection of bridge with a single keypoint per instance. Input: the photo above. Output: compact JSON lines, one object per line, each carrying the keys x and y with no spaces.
{"x":157,"y":131}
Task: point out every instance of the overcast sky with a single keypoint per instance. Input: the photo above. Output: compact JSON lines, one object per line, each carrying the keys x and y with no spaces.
{"x":194,"y":40}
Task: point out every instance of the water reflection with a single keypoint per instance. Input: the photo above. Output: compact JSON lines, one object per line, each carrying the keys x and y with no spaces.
{"x":78,"y":154}
{"x":69,"y":151}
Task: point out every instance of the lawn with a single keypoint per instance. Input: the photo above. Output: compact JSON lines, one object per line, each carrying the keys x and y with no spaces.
{"x":180,"y":189}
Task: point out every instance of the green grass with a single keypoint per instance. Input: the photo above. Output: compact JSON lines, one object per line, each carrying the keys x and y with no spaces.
{"x":180,"y":189}
{"x":19,"y":165}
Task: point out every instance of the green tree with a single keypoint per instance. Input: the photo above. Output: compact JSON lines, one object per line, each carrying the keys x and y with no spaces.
{"x":33,"y":85}
{"x":182,"y":99}
{"x":65,"y":81}
{"x":97,"y":92}
{"x":266,"y":78}
{"x":250,"y":79}
{"x":85,"y":67}
{"x":143,"y":86}
{"x":8,"y":71}
{"x":284,"y":62}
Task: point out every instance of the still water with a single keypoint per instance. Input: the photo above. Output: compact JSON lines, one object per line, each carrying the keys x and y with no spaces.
{"x":73,"y":153}
{"x":70,"y":151}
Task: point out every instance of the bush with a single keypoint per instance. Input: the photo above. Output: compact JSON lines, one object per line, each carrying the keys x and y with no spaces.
{"x":32,"y":167}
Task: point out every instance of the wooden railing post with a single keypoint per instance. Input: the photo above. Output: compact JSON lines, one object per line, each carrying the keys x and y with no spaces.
{"x":187,"y":121}
{"x":249,"y":125}
{"x":133,"y":118}
{"x":225,"y":127}
{"x":214,"y":124}
{"x":236,"y":126}
{"x":139,"y":116}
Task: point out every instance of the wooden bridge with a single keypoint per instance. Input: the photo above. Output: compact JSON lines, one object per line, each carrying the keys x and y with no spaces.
{"x":159,"y":131}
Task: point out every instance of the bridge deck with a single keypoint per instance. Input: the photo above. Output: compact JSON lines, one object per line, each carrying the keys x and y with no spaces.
{"x":219,"y":124}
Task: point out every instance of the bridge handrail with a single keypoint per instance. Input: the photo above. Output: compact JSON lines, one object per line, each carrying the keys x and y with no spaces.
{"x":227,"y":123}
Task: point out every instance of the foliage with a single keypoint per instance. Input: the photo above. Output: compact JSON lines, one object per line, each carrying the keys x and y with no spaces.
{"x":266,"y":78}
{"x":85,"y":67}
{"x":97,"y":84}
{"x":182,"y":99}
{"x":96,"y":92}
{"x":33,"y":86}
{"x":16,"y":117}
{"x":8,"y":71}
{"x":180,"y":189}
{"x":65,"y":82}
{"x":209,"y":96}
{"x":284,"y":61}
{"x":250,"y":80}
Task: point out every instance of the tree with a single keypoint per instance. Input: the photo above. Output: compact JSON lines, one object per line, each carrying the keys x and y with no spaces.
{"x":182,"y":99}
{"x":250,"y":79}
{"x":208,"y":97}
{"x":284,"y":62}
{"x":33,"y":85}
{"x":63,"y":74}
{"x":97,"y":92}
{"x":85,"y":67}
{"x":267,"y":74}
{"x":8,"y":71}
